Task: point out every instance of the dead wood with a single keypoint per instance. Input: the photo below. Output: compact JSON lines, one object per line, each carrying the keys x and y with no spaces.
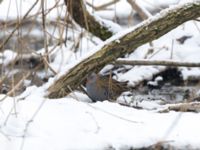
{"x":147,"y":31}
{"x":169,"y":63}
{"x":183,"y":107}
{"x":79,"y":13}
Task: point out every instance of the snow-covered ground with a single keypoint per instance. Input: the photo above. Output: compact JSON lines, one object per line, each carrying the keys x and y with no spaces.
{"x":70,"y":124}
{"x":32,"y":122}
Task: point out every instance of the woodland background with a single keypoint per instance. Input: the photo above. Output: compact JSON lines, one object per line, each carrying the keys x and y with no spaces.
{"x":47,"y":49}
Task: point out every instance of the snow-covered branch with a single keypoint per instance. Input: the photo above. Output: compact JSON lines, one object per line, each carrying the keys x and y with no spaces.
{"x":125,"y":43}
{"x":96,"y":26}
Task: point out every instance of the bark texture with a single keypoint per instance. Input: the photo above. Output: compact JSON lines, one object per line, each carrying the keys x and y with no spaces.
{"x":79,"y":13}
{"x":149,"y":30}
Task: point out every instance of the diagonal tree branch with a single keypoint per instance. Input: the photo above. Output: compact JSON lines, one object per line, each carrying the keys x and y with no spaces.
{"x":147,"y":31}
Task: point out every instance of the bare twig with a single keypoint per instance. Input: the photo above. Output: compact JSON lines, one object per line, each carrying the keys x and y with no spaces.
{"x":144,"y":14}
{"x":18,"y":25}
{"x":48,"y":66}
{"x":103,"y":6}
{"x":172,"y":49}
{"x":19,"y":83}
{"x":12,"y":23}
{"x":16,"y":87}
{"x":183,"y":107}
{"x":77,"y":42}
{"x":44,"y":32}
{"x":157,"y":63}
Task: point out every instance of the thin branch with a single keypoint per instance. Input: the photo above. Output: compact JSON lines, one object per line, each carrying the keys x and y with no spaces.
{"x":16,"y":87}
{"x":44,"y":32}
{"x":183,"y":107}
{"x":48,"y":65}
{"x":157,"y":63}
{"x":18,"y":25}
{"x":144,"y":14}
{"x":20,"y":83}
{"x":27,"y":19}
{"x":103,"y":6}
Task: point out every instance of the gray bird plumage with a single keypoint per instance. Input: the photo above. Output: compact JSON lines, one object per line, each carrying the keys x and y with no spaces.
{"x":100,"y":88}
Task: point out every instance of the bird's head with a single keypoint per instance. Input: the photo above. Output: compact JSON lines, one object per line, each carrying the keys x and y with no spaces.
{"x":92,"y":78}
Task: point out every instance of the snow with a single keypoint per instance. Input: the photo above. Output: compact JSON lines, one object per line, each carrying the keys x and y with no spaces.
{"x":113,"y":27}
{"x":31,"y":121}
{"x":7,"y":57}
{"x":70,"y":124}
